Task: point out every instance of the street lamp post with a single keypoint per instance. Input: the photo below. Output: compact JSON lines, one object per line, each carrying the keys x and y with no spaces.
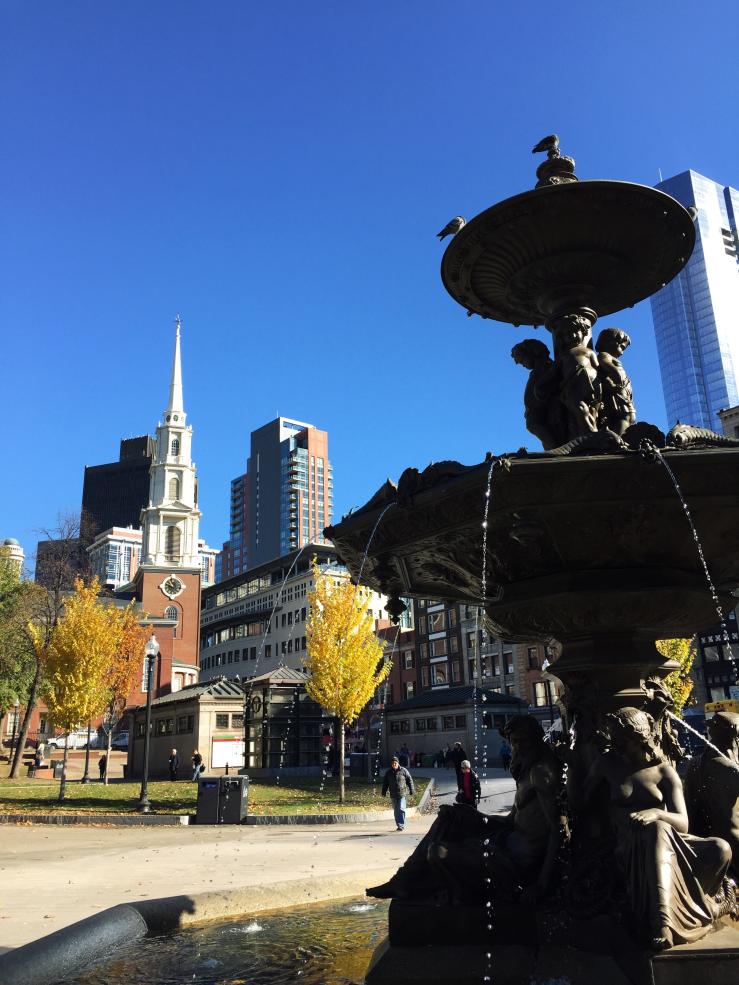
{"x":86,"y":777}
{"x":16,"y":707}
{"x":152,"y":652}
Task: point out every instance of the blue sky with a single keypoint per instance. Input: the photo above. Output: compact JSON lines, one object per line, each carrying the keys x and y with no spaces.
{"x":276,"y":173}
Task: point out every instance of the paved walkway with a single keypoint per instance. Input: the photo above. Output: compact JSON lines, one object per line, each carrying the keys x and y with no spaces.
{"x":53,"y":877}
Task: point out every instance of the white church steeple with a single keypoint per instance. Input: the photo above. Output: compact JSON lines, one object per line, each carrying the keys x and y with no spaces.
{"x":170,"y":522}
{"x":175,"y":405}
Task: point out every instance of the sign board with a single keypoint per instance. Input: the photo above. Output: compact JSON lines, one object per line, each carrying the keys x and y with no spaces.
{"x":227,"y":750}
{"x":723,"y":706}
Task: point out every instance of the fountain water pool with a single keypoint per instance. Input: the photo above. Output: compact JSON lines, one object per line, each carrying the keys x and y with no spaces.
{"x":316,"y":945}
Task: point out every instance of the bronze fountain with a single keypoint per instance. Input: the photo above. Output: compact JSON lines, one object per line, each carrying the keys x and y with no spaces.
{"x":588,"y":549}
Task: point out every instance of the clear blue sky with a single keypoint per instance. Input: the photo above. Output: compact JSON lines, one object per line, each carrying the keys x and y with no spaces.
{"x":276,"y":173}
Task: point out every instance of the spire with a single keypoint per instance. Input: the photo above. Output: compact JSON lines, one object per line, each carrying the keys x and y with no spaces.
{"x":175,"y":387}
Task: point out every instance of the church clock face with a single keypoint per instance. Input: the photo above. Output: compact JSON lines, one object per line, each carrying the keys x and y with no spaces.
{"x":172,"y":586}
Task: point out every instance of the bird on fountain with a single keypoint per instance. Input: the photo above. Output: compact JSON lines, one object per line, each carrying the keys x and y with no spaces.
{"x":453,"y":226}
{"x":549,"y":144}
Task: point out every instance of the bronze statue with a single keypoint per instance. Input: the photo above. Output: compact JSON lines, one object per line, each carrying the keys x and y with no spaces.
{"x":672,"y":878}
{"x":712,"y":785}
{"x":469,"y":856}
{"x":577,"y":365}
{"x":618,"y":412}
{"x":544,"y":412}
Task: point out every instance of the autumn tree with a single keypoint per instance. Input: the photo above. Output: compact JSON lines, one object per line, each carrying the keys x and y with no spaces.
{"x":344,"y":656}
{"x":57,"y":565}
{"x":679,"y":682}
{"x":17,"y":656}
{"x":77,"y":659}
{"x":124,"y":670}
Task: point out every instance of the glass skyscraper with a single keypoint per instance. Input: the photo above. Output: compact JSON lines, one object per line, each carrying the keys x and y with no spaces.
{"x":696,"y":317}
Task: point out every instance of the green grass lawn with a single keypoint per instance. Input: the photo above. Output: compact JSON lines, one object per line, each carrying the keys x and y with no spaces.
{"x":292,"y":795}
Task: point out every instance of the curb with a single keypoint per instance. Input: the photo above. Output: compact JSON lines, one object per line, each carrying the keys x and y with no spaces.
{"x":81,"y":945}
{"x":122,"y":819}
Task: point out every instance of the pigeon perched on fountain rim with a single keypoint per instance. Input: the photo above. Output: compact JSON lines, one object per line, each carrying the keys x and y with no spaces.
{"x":549,"y":144}
{"x":453,"y":226}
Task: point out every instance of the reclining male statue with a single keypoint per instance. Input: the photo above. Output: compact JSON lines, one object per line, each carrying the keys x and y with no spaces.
{"x":469,"y":856}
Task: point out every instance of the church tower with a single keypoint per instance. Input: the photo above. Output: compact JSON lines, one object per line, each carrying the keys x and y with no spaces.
{"x":168,"y":578}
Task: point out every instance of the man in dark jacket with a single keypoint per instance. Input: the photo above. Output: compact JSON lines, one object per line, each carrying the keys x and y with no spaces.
{"x":174,"y":764}
{"x":457,"y":755}
{"x":400,"y":783}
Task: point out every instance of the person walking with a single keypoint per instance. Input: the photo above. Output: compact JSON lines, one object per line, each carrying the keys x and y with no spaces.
{"x":457,"y":755}
{"x":197,"y":765}
{"x":103,"y":766}
{"x":403,"y":755}
{"x":174,"y":764}
{"x":399,"y":783}
{"x":505,"y":756}
{"x":470,"y":791}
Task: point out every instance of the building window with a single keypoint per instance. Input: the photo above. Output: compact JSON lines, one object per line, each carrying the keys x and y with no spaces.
{"x":508,"y":661}
{"x":185,"y":723}
{"x":460,"y":721}
{"x":447,"y":723}
{"x":175,"y":446}
{"x":456,"y":671}
{"x":424,"y":677}
{"x":221,"y":721}
{"x":408,"y":659}
{"x":432,"y":724}
{"x":436,"y":622}
{"x":174,"y":488}
{"x":439,"y":675}
{"x":410,"y":688}
{"x":472,"y":664}
{"x":172,"y":544}
{"x":533,"y":655}
{"x":437,"y":648}
{"x":237,"y":720}
{"x":164,"y":726}
{"x":453,"y":644}
{"x":422,"y":625}
{"x":420,"y":725}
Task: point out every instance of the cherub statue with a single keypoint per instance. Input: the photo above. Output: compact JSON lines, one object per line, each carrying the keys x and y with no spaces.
{"x":544,"y":413}
{"x":618,"y":411}
{"x":579,"y":384}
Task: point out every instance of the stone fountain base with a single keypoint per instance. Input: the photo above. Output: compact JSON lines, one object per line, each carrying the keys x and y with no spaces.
{"x":522,"y":953}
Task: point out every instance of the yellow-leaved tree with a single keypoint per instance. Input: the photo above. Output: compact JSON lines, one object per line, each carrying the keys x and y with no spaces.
{"x":344,"y":658}
{"x":83,"y":644}
{"x":679,"y":682}
{"x":124,"y":670}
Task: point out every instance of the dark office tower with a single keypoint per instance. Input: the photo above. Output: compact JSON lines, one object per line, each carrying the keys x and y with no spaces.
{"x":696,"y":316}
{"x":114,"y":495}
{"x":285,"y":498}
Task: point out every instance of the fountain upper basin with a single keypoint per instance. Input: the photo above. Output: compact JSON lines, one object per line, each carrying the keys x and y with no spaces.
{"x":600,"y":245}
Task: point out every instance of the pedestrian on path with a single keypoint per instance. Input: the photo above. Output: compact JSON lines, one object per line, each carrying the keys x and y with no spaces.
{"x":470,"y":791}
{"x":457,"y":755}
{"x":399,"y":783}
{"x":505,"y":756}
{"x":174,"y":764}
{"x":103,"y":766}
{"x":197,"y":765}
